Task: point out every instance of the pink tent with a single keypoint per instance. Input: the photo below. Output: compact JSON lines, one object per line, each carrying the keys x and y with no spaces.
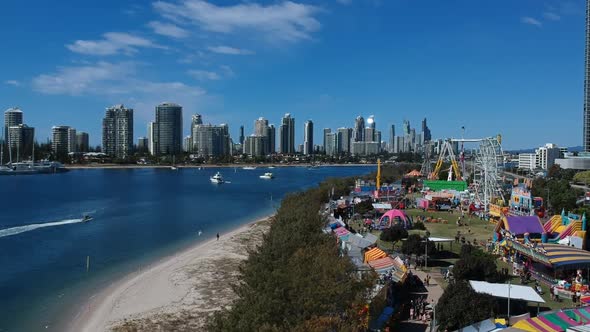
{"x":388,"y":219}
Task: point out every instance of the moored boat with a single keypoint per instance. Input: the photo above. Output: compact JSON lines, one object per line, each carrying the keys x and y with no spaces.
{"x":267,"y":176}
{"x":217,"y":178}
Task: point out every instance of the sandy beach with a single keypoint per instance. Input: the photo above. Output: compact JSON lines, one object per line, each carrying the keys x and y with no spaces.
{"x":178,"y":292}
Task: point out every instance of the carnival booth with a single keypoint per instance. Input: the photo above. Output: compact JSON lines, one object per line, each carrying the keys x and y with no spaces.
{"x":395,"y":217}
{"x":523,"y":228}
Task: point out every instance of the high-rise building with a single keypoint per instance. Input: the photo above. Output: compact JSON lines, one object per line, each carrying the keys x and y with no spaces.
{"x":196,"y":119}
{"x":168,"y":135}
{"x":60,"y":141}
{"x":287,"y":135}
{"x":260,"y":127}
{"x":142,"y":144}
{"x":117,"y":132}
{"x":308,"y":137}
{"x":331,"y":144}
{"x":587,"y":82}
{"x":391,"y":138}
{"x":242,"y":135}
{"x":426,"y":132}
{"x":546,"y":155}
{"x":255,"y":146}
{"x":12,"y":117}
{"x":72,"y":140}
{"x":327,"y":131}
{"x":377,"y":136}
{"x":20,"y":142}
{"x":211,"y":141}
{"x":82,"y":141}
{"x":345,"y":137}
{"x":187,"y":144}
{"x":151,"y":135}
{"x":271,"y":137}
{"x":406,"y":127}
{"x":369,"y":134}
{"x":359,"y":129}
{"x":371,"y":124}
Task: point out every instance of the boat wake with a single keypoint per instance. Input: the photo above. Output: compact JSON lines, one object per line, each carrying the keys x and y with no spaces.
{"x":21,"y":229}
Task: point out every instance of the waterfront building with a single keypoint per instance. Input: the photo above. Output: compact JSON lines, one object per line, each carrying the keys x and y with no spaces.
{"x":142,"y":144}
{"x":117,"y":132}
{"x":211,"y":141}
{"x":359,"y":129}
{"x":300,"y":149}
{"x":262,"y":129}
{"x":331,"y":143}
{"x":287,"y":134}
{"x":168,"y":129}
{"x":372,"y":148}
{"x":12,"y":117}
{"x":72,"y":140}
{"x":345,"y":137}
{"x":391,"y":139}
{"x":308,"y":138}
{"x":369,"y":134}
{"x":271,"y":137}
{"x":358,"y":148}
{"x":255,"y":146}
{"x":20,"y":142}
{"x":327,"y":131}
{"x":242,"y":135}
{"x":59,"y":142}
{"x":82,"y":141}
{"x":151,"y":135}
{"x":187,"y":144}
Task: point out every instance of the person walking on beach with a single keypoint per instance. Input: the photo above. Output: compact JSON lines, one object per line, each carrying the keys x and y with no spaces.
{"x":217,"y":236}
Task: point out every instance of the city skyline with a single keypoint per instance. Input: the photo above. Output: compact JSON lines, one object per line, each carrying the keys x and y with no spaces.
{"x":514,"y":62}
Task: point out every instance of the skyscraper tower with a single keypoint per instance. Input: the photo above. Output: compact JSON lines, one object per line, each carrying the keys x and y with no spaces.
{"x":406,"y":127}
{"x":168,"y":129}
{"x":117,"y":132}
{"x":359,"y":129}
{"x":327,"y":132}
{"x":308,"y":138}
{"x":371,"y":133}
{"x":12,"y":117}
{"x":242,"y":135}
{"x":287,"y":134}
{"x":587,"y":82}
{"x":272,"y":135}
{"x":426,"y":131}
{"x":260,"y":127}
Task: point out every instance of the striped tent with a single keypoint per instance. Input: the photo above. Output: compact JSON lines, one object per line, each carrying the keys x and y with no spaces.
{"x":564,"y":256}
{"x":382,"y":264}
{"x":342,"y":233}
{"x":374,"y":254}
{"x":556,"y":321}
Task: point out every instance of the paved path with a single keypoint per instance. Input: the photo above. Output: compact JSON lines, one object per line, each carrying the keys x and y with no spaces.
{"x":434,"y":292}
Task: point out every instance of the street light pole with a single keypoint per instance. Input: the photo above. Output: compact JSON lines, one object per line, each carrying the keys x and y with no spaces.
{"x":509,"y":286}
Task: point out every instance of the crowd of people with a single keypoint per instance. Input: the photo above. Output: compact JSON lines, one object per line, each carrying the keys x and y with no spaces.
{"x":420,"y":310}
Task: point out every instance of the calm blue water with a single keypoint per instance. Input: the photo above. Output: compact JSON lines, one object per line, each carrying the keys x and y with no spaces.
{"x":140,"y":215}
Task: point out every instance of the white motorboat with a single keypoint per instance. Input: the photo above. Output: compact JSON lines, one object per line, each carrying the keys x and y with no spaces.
{"x":217,"y":178}
{"x":267,"y":176}
{"x":249,"y":167}
{"x":174,"y":168}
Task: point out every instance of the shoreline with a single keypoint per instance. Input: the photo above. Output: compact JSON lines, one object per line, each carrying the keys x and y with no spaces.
{"x":263,"y":166}
{"x":166,"y":288}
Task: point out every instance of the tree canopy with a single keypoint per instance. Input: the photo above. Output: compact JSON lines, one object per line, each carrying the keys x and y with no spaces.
{"x":461,"y":306}
{"x":296,"y":280}
{"x":475,"y":264}
{"x":415,"y":245}
{"x":582,"y":177}
{"x":393,"y":234}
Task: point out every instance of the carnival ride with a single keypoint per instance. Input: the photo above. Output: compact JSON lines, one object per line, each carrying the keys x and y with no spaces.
{"x":486,"y":168}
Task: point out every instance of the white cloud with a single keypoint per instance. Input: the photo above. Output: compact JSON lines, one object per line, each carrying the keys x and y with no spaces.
{"x":113,"y":43}
{"x":222,"y":49}
{"x":13,"y":82}
{"x":531,"y":21}
{"x":104,"y":78}
{"x":285,"y":21}
{"x":167,"y":29}
{"x":551,"y":16}
{"x":204,"y":75}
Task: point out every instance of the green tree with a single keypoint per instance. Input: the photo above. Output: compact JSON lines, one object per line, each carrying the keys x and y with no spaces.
{"x":415,"y":245}
{"x":393,"y":234}
{"x":461,"y":306}
{"x":582,"y":177}
{"x":476,"y":264}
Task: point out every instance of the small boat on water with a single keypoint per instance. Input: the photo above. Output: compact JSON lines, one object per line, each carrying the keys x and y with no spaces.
{"x":87,"y":218}
{"x":174,"y":168}
{"x":217,"y":178}
{"x":249,"y":167}
{"x":267,"y":176}
{"x":271,"y":167}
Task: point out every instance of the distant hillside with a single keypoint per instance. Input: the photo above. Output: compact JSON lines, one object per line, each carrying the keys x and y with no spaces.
{"x":570,"y":149}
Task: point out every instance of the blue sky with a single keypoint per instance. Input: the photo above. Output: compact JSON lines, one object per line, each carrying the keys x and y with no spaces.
{"x":513,"y":67}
